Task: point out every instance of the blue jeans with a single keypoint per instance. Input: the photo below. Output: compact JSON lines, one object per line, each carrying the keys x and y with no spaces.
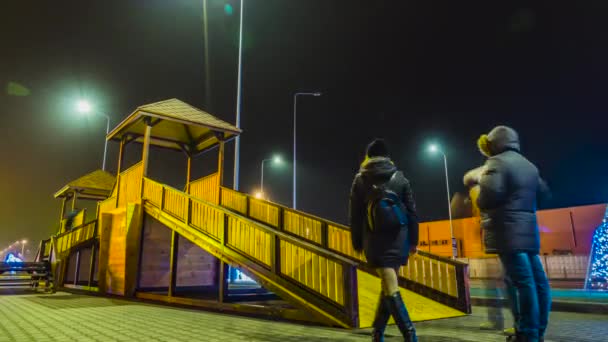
{"x":533,"y":292}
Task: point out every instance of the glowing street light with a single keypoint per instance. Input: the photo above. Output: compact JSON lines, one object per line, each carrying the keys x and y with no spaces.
{"x":84,"y":107}
{"x":433,"y":148}
{"x":259,"y":195}
{"x":295,"y":107}
{"x":276,"y":160}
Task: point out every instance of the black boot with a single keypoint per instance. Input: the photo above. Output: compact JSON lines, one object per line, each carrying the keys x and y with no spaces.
{"x":401,"y":316}
{"x":381,"y":319}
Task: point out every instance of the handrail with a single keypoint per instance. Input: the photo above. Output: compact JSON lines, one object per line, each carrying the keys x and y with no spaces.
{"x":204,"y":178}
{"x":433,"y":275}
{"x":283,"y":235}
{"x":75,"y":228}
{"x":129,"y":184}
{"x":335,"y":225}
{"x":329,"y":277}
{"x":131,"y":168}
{"x":206,"y":188}
{"x":76,"y":236}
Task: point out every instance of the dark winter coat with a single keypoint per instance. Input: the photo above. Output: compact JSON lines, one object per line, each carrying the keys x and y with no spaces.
{"x":382,"y":249}
{"x":507,"y":198}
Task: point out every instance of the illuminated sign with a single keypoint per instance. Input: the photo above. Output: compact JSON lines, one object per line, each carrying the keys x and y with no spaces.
{"x":10,"y":258}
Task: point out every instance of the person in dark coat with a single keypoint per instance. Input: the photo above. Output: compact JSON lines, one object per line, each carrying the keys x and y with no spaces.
{"x":386,"y":251}
{"x":509,"y":187}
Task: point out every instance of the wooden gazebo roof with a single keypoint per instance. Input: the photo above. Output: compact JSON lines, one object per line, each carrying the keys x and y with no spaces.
{"x":176,"y":125}
{"x":96,"y":185}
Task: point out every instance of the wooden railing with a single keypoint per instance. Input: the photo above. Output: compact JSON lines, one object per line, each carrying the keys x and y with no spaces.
{"x":302,"y":225}
{"x":153,"y":192}
{"x":129,"y":184}
{"x":323,"y":278}
{"x":79,"y":218}
{"x":443,"y":279}
{"x":264,"y":212}
{"x":76,"y":236}
{"x":47,"y":248}
{"x":234,"y":200}
{"x":206,"y":188}
{"x":175,"y":202}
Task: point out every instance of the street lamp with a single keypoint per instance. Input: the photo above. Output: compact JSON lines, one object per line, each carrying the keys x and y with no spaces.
{"x":84,"y":107}
{"x":295,"y":106}
{"x":275,"y":160}
{"x":435,"y":149}
{"x":237,"y":142}
{"x":23,"y":242}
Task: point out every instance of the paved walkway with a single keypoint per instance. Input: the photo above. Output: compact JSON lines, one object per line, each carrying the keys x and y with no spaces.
{"x":68,"y":317}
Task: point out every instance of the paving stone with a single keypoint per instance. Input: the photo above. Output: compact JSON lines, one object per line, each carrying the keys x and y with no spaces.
{"x":68,"y":317}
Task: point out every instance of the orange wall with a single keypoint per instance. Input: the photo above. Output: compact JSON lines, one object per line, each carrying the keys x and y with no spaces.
{"x":567,"y":229}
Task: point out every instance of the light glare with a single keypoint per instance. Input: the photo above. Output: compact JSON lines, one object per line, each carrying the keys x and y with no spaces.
{"x":83,"y":106}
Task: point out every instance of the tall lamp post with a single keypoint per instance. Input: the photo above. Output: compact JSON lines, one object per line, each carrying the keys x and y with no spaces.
{"x":435,"y":149}
{"x":295,"y":110}
{"x":275,"y":160}
{"x":237,"y":142}
{"x":84,"y":107}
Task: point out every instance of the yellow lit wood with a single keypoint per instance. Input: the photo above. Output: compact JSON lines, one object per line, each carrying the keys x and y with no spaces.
{"x":234,"y":200}
{"x":264,"y":211}
{"x":420,"y":308}
{"x":206,"y":188}
{"x":302,"y":226}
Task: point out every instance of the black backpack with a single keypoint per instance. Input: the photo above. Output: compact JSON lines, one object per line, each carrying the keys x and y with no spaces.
{"x":385,"y":210}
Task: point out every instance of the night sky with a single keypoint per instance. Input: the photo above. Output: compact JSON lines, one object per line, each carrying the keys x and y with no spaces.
{"x":412,"y":72}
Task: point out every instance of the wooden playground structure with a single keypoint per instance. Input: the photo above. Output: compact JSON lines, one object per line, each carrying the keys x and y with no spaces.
{"x":151,"y":241}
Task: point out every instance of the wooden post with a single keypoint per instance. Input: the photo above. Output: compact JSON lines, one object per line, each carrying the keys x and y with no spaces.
{"x":120,"y":155}
{"x":173,"y":263}
{"x":146,"y":149}
{"x":223,"y":281}
{"x":92,"y":268}
{"x":222,"y":272}
{"x":188,"y":174}
{"x":63,"y":203}
{"x":77,"y":270}
{"x":74,"y":200}
{"x":220,"y":164}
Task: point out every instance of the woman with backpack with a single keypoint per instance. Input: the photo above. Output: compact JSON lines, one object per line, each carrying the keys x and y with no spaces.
{"x":384,"y":225}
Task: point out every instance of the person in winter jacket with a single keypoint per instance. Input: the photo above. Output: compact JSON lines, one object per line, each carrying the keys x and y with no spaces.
{"x":385,"y":250}
{"x":509,"y":185}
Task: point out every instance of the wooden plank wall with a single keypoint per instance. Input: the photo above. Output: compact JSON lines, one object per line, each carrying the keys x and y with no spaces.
{"x":155,"y":259}
{"x":70,"y":272}
{"x":195,"y":267}
{"x":115,"y":270}
{"x":85,"y":266}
